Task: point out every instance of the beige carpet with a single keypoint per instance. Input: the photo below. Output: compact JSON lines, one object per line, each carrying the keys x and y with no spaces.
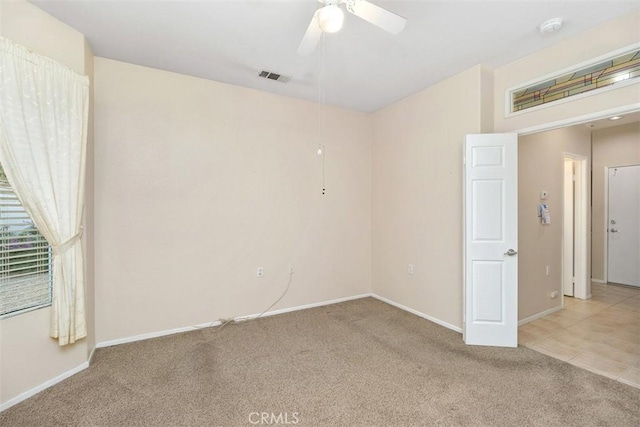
{"x":358,"y":363}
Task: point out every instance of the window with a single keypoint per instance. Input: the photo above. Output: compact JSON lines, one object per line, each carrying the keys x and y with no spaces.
{"x":605,"y":73}
{"x":25,"y":257}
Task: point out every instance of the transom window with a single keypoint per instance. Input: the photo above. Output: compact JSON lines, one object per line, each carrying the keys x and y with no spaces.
{"x":605,"y":73}
{"x":25,"y":257}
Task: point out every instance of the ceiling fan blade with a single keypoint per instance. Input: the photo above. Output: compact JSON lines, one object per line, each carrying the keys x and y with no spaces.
{"x":376,"y":15}
{"x":311,"y":37}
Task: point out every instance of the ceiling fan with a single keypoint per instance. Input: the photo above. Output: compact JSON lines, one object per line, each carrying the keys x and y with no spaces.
{"x":329,"y":19}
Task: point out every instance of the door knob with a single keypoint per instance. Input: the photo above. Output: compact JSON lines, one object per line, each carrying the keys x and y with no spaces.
{"x":510,"y":252}
{"x":614,"y":230}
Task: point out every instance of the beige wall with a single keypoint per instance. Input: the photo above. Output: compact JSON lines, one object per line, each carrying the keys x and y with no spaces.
{"x":28,"y":356}
{"x":417,"y":194}
{"x":541,"y":167}
{"x":198,"y":183}
{"x":29,"y":26}
{"x":615,"y":146}
{"x":601,"y":40}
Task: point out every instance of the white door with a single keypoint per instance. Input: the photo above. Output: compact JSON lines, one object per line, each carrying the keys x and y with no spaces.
{"x":624,"y":226}
{"x":568,"y":214}
{"x":491,"y":240}
{"x":575,"y":227}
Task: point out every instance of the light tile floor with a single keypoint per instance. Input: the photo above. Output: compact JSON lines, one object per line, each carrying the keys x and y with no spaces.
{"x":601,"y":334}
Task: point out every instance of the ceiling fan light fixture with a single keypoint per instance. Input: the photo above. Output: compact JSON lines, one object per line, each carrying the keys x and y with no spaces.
{"x":331,"y":18}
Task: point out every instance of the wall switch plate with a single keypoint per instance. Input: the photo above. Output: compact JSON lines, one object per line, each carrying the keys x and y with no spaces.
{"x":260,"y":272}
{"x":547,"y":270}
{"x":410,"y":269}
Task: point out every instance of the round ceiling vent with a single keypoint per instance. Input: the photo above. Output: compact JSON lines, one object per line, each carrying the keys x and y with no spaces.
{"x":550,"y":26}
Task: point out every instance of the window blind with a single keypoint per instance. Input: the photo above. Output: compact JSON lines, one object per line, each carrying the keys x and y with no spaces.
{"x":25,"y":256}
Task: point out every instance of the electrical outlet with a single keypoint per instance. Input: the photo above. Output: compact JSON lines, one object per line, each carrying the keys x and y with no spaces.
{"x":547,"y":271}
{"x":410,"y":269}
{"x":553,"y":294}
{"x":260,"y":272}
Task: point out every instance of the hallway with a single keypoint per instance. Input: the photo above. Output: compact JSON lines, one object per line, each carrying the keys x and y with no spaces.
{"x":601,"y":335}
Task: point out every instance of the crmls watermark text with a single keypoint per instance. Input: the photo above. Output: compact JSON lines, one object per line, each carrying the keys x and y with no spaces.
{"x":271,"y":418}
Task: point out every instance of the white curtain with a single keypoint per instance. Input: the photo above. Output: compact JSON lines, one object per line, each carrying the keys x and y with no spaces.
{"x":43,"y":132}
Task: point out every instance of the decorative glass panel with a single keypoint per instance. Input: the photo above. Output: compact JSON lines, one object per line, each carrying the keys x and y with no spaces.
{"x":605,"y":73}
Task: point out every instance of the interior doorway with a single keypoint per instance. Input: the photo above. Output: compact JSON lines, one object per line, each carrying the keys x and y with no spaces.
{"x":541,"y":169}
{"x":596,"y":333}
{"x":575,"y":227}
{"x":540,"y":239}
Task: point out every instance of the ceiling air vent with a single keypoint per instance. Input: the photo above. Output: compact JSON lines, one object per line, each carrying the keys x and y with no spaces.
{"x":274,"y":76}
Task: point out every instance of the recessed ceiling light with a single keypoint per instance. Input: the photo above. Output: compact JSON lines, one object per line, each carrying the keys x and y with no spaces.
{"x":331,"y":18}
{"x":550,"y":26}
{"x":615,"y":118}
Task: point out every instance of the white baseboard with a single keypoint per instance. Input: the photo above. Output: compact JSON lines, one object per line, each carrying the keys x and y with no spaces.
{"x":217,"y":323}
{"x":272,"y":313}
{"x":539,"y":315}
{"x":157,"y":334}
{"x":417,"y":313}
{"x":301,"y":307}
{"x":45,"y":385}
{"x":598,"y":281}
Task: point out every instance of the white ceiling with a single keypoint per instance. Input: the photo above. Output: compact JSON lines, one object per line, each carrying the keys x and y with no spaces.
{"x":366,"y":68}
{"x":607,"y":123}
